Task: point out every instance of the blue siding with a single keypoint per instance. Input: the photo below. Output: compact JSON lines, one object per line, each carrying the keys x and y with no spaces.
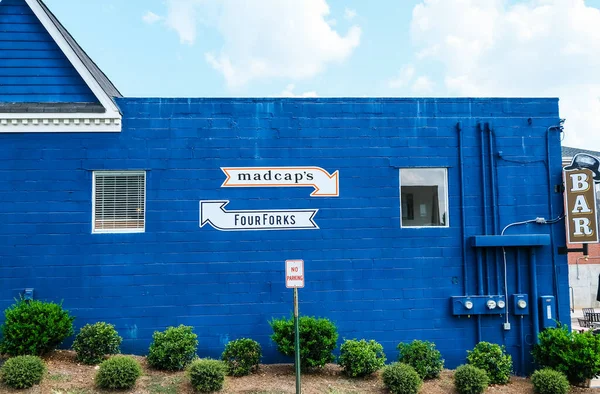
{"x":32,"y":66}
{"x":373,"y":278}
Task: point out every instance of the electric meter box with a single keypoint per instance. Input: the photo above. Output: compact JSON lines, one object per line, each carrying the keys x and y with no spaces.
{"x":520,"y":304}
{"x":548,"y":312}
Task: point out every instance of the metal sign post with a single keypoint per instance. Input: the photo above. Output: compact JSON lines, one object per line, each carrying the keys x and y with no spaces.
{"x":294,"y":278}
{"x":297,"y":341}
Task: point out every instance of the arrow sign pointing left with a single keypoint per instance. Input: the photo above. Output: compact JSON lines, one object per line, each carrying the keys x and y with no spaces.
{"x":214,"y":213}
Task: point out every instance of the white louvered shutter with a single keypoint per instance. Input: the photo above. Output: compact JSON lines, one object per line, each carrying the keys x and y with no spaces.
{"x":119,"y":201}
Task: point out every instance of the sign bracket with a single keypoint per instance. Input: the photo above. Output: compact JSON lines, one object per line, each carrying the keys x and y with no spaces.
{"x":566,"y":250}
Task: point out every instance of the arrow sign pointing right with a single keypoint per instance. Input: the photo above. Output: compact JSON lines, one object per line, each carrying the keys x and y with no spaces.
{"x":325,"y":185}
{"x":214,"y":213}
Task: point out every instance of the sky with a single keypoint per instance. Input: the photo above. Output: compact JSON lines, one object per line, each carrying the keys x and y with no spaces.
{"x":350,"y":48}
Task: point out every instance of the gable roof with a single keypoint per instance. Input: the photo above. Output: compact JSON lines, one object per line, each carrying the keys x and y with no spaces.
{"x":569,"y":153}
{"x":103,"y":116}
{"x":105,"y":83}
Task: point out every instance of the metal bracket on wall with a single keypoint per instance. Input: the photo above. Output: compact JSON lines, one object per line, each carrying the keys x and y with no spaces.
{"x":566,"y":250}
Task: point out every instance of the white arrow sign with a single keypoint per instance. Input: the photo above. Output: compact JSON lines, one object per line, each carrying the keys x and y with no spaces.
{"x":325,"y":185}
{"x":214,"y":213}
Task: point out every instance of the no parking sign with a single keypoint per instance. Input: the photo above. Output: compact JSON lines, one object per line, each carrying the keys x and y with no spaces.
{"x":294,"y":274}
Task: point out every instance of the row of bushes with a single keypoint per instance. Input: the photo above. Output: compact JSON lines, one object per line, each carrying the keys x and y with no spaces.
{"x":35,"y":328}
{"x":122,"y":372}
{"x":116,"y":373}
{"x":486,"y":363}
{"x":318,"y":340}
{"x":176,"y":347}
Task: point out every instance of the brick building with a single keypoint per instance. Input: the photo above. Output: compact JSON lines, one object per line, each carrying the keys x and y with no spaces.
{"x":151,"y":212}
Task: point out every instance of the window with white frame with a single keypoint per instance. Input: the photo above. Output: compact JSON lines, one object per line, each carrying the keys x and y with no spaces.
{"x":119,"y":201}
{"x":424,"y":197}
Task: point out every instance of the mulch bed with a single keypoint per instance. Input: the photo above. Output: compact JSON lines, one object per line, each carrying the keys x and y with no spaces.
{"x":66,"y":376}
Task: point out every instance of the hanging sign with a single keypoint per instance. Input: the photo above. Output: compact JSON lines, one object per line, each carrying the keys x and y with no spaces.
{"x":325,"y":185}
{"x":214,"y":213}
{"x":580,"y":201}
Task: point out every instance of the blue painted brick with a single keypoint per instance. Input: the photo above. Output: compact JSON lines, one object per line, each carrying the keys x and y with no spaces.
{"x":373,"y":278}
{"x":32,"y":67}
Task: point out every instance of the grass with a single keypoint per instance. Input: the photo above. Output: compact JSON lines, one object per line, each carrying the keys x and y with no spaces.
{"x":338,"y":391}
{"x":59,"y":377}
{"x":266,"y":392}
{"x":168,"y":385}
{"x":330,"y":391}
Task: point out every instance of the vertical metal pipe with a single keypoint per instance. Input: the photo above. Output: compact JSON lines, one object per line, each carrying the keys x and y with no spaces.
{"x":484,"y":190}
{"x":462,"y":207}
{"x":521,"y":322}
{"x":551,"y":212}
{"x":479,"y":338}
{"x":492,"y":178}
{"x":480,"y":272}
{"x":483,"y":180}
{"x":518,"y":264}
{"x":533,"y":302}
{"x":522,"y":335}
{"x":488,"y":272}
{"x":494,"y":205}
{"x":479,"y":290}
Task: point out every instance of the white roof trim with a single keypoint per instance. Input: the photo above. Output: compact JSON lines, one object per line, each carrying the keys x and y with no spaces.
{"x":108,"y":121}
{"x":56,"y":123}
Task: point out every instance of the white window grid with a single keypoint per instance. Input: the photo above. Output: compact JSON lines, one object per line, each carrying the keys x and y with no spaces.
{"x":133,"y":214}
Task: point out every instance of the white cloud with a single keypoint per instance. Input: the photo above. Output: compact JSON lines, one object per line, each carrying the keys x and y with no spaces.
{"x":538,"y":48}
{"x":289,"y":92}
{"x":404,"y":77}
{"x":150,"y":17}
{"x":280,"y":39}
{"x":423,"y":85}
{"x":349,"y":14}
{"x":181,"y":17}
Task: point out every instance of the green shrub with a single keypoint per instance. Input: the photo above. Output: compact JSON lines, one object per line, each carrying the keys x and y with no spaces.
{"x":34,"y":328}
{"x":575,"y":354}
{"x":361,"y":358}
{"x":118,"y":372}
{"x":242,"y":356}
{"x":207,"y":375}
{"x":96,"y":340}
{"x":492,"y":358}
{"x":318,"y":338}
{"x":549,"y":381}
{"x":423,"y":357}
{"x":470,"y":380}
{"x":401,"y":378}
{"x":173,"y":349}
{"x":22,"y":372}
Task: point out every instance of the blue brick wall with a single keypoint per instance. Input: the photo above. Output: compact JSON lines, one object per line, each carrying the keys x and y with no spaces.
{"x":373,"y":278}
{"x":32,"y":66}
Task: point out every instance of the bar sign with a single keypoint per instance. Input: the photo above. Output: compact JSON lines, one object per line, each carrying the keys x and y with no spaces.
{"x":580,"y":203}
